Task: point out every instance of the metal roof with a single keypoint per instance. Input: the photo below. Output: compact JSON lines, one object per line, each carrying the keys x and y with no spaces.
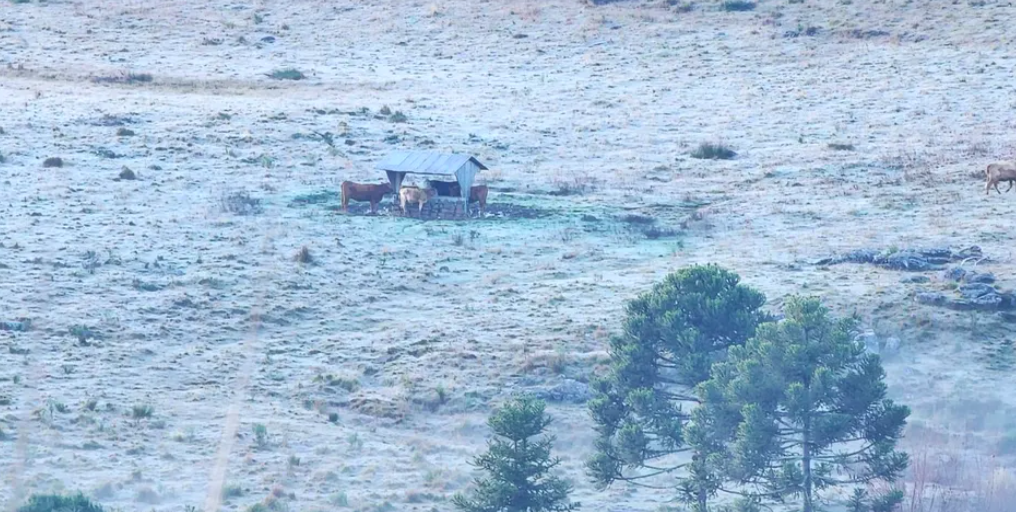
{"x":426,"y":162}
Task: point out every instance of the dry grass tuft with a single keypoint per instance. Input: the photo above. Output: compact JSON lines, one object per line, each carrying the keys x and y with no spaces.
{"x":914,"y":164}
{"x":303,"y":256}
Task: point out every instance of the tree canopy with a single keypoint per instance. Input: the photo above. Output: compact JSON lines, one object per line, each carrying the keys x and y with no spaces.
{"x":672,"y":335}
{"x":517,"y":465}
{"x":708,"y":390}
{"x":800,"y":408}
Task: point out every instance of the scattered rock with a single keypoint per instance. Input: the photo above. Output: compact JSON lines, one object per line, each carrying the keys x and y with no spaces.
{"x":954,"y":274}
{"x":980,"y":296}
{"x":915,"y":279}
{"x":127,"y":174}
{"x":972,"y":296}
{"x":904,"y":260}
{"x":960,"y":274}
{"x":977,"y":290}
{"x":932,"y":298}
{"x":53,"y":161}
{"x":914,"y":260}
{"x":977,"y":277}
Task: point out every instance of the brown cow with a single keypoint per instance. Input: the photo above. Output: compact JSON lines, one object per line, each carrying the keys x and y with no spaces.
{"x":999,"y":171}
{"x":479,"y":193}
{"x":445,"y":188}
{"x":362,"y":192}
{"x":415,"y":195}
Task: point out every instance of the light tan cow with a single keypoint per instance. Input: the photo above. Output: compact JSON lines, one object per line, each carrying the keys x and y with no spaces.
{"x":999,"y":171}
{"x":415,"y":195}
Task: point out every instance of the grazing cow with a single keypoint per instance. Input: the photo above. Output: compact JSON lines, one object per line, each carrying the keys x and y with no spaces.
{"x":479,"y":193}
{"x":415,"y":195}
{"x":362,"y":192}
{"x":444,"y":188}
{"x":999,"y":171}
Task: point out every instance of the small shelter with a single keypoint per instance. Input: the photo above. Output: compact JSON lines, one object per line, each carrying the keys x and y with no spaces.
{"x":463,"y":167}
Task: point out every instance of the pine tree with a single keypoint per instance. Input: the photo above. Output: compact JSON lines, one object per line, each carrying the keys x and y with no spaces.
{"x":672,"y":335}
{"x":60,"y":503}
{"x":518,"y":465}
{"x":800,"y":408}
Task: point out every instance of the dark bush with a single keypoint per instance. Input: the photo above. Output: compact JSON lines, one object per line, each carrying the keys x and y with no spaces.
{"x":713,"y":152}
{"x":738,"y":5}
{"x":58,"y":503}
{"x":287,"y":74}
{"x":841,"y":147}
{"x":634,"y":218}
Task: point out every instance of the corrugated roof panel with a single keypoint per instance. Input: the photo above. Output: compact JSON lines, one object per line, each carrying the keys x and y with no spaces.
{"x":430,"y":162}
{"x":441,"y":163}
{"x":425,"y":162}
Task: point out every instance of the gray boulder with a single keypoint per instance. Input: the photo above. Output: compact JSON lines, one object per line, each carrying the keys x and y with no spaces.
{"x":954,"y":274}
{"x":932,"y":298}
{"x":978,"y":277}
{"x":915,"y":260}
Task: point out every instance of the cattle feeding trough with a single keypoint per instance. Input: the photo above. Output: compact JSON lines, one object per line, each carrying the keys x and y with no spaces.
{"x":452,"y":198}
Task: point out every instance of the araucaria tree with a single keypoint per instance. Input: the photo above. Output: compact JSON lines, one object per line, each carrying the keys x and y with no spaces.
{"x":672,"y":335}
{"x":518,"y":465}
{"x":800,"y":408}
